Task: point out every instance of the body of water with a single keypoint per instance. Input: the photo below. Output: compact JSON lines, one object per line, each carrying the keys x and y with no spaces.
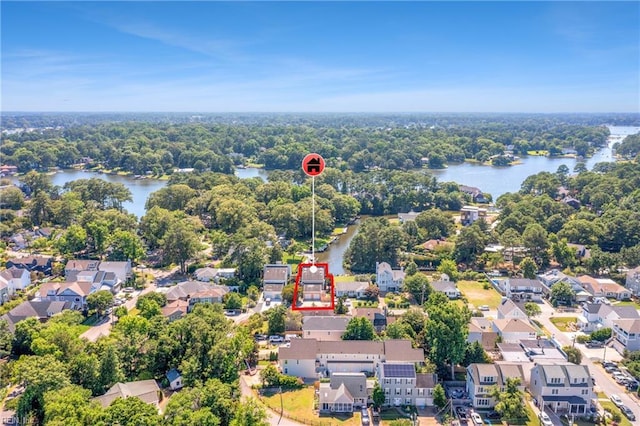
{"x":335,"y":253}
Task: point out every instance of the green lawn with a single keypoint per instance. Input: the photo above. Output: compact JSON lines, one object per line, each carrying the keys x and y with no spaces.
{"x":609,"y":406}
{"x":476,"y":294}
{"x":563,"y":322}
{"x":344,"y":278}
{"x":625,"y":303}
{"x":298,"y":406}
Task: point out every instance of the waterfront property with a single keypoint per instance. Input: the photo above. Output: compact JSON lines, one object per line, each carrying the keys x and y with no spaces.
{"x":388,"y":279}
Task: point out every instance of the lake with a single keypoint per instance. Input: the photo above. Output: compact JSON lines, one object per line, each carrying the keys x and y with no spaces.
{"x":494,"y":180}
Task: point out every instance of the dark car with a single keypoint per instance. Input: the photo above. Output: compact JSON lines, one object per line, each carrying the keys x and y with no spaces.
{"x":594,"y":344}
{"x":627,"y":412}
{"x":494,"y":415}
{"x":461,"y":412}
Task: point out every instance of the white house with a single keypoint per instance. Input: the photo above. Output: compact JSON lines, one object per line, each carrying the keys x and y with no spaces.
{"x":513,"y":330}
{"x":311,"y":358}
{"x":351,"y":289}
{"x":599,"y":315}
{"x":524,"y":289}
{"x":388,"y":279}
{"x":508,"y":309}
{"x":633,"y":280}
{"x":401,"y":386}
{"x":563,"y":388}
{"x":15,"y":279}
{"x":175,"y":379}
{"x":604,"y":287}
{"x":627,"y":333}
{"x":447,"y":287}
{"x":122,"y":270}
{"x":344,"y":393}
{"x":481,"y":378}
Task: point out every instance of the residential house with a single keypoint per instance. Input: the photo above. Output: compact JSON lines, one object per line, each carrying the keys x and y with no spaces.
{"x":447,"y":287}
{"x":15,"y":279}
{"x":74,"y":292}
{"x":481,"y":378}
{"x":122,"y":270}
{"x":554,"y":276}
{"x":146,"y":390}
{"x":481,"y":330}
{"x":208,"y":274}
{"x":476,"y":194}
{"x":573,"y":202}
{"x":275,"y":277}
{"x":324,"y":327}
{"x":600,"y":315}
{"x":388,"y":279}
{"x":75,"y":266}
{"x":42,"y":264}
{"x":8,"y":170}
{"x":344,"y":393}
{"x":375,"y":315}
{"x":563,"y":388}
{"x":215,"y":294}
{"x":186,"y":289}
{"x":403,"y":386}
{"x":582,"y":252}
{"x":4,"y":293}
{"x":175,"y":379}
{"x":433,"y":245}
{"x":508,"y":309}
{"x":514,"y":330}
{"x":355,"y":289}
{"x":312,"y":284}
{"x":604,"y":287}
{"x":311,"y":358}
{"x":408,"y":217}
{"x":42,"y":310}
{"x":175,"y":310}
{"x":470,"y":214}
{"x":633,"y":280}
{"x":524,"y":289}
{"x":627,"y":333}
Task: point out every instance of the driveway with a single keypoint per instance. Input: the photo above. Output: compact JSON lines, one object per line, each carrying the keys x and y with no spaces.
{"x":604,"y":382}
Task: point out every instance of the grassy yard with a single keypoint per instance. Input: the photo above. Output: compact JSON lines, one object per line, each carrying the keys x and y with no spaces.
{"x":476,"y":294}
{"x":563,"y":322}
{"x":625,"y":303}
{"x":298,"y":406}
{"x":609,"y":406}
{"x":344,"y":278}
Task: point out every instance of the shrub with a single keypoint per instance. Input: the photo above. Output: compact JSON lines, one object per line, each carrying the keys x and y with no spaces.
{"x":273,"y":356}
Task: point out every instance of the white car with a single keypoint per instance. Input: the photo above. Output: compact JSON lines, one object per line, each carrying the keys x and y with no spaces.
{"x":545,"y":419}
{"x":483,"y":307}
{"x":477,"y":420}
{"x":616,"y":400}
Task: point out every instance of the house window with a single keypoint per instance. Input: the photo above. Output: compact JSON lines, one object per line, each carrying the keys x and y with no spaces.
{"x":554,"y":391}
{"x":585,"y":391}
{"x":286,"y":361}
{"x":398,"y":391}
{"x":408,"y":401}
{"x":408,"y":391}
{"x":482,"y":402}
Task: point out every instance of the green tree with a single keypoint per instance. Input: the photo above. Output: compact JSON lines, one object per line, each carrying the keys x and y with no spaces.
{"x":6,"y":338}
{"x":475,"y":354}
{"x":232,"y":300}
{"x":411,"y":269}
{"x":276,"y":319}
{"x":562,"y":292}
{"x":399,"y":330}
{"x":470,"y":244}
{"x":11,"y":198}
{"x":418,"y":286}
{"x":250,"y":413}
{"x":435,"y":224}
{"x":73,"y":240}
{"x":602,"y":334}
{"x":439,"y":397}
{"x":446,"y":333}
{"x":510,"y":402}
{"x":125,"y":245}
{"x":270,"y":377}
{"x":70,"y":406}
{"x":536,"y":241}
{"x":359,"y":328}
{"x":528,"y":268}
{"x":340,"y":308}
{"x":378,"y":396}
{"x":532,"y":309}
{"x":110,"y":369}
{"x":180,"y":243}
{"x":573,"y":354}
{"x":131,"y":411}
{"x":100,"y":301}
{"x":449,"y":267}
{"x":185,"y":408}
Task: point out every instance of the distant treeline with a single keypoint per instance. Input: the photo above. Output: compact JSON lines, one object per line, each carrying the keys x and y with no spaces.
{"x":160,"y":147}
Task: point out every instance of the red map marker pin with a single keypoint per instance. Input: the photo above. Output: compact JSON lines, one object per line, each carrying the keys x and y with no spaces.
{"x":313,"y":164}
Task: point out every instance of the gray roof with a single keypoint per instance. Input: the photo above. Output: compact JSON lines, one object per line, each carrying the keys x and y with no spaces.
{"x":397,"y":350}
{"x":312,"y":277}
{"x":32,"y":308}
{"x":592,"y":308}
{"x":186,"y":289}
{"x":13,"y":272}
{"x":325,"y":323}
{"x":146,"y":390}
{"x":276,"y":273}
{"x":351,"y":286}
{"x":426,"y":381}
{"x":525,"y":282}
{"x":356,"y":383}
{"x":443,"y":285}
{"x":401,"y":350}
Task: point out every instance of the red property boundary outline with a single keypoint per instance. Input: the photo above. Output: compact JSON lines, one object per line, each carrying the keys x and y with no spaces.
{"x":301,"y":266}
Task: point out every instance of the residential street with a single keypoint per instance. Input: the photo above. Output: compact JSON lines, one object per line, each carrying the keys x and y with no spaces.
{"x":604,"y":382}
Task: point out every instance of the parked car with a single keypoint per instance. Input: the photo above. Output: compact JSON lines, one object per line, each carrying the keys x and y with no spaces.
{"x":260,"y":337}
{"x":483,"y":307}
{"x":365,"y":416}
{"x":616,"y":400}
{"x":627,"y":412}
{"x":611,"y":369}
{"x":276,"y":339}
{"x":476,"y":419}
{"x":632,"y":385}
{"x":594,"y":344}
{"x":545,"y":419}
{"x":461,"y":412}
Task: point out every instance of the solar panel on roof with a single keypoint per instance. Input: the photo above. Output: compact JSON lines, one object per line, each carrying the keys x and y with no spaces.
{"x":399,"y":370}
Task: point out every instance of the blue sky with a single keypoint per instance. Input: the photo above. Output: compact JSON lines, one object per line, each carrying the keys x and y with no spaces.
{"x":321,"y":56}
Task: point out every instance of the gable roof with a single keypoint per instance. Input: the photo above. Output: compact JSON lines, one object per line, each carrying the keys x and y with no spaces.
{"x":444,"y":286}
{"x":356,"y":383}
{"x":146,"y":390}
{"x":33,"y":308}
{"x":399,"y":370}
{"x":322,"y":323}
{"x":13,"y":273}
{"x":186,"y":289}
{"x":508,"y":306}
{"x":629,"y":325}
{"x":207,"y":272}
{"x":513,"y":325}
{"x":276,"y":273}
{"x":351,"y":286}
{"x":81,"y":265}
